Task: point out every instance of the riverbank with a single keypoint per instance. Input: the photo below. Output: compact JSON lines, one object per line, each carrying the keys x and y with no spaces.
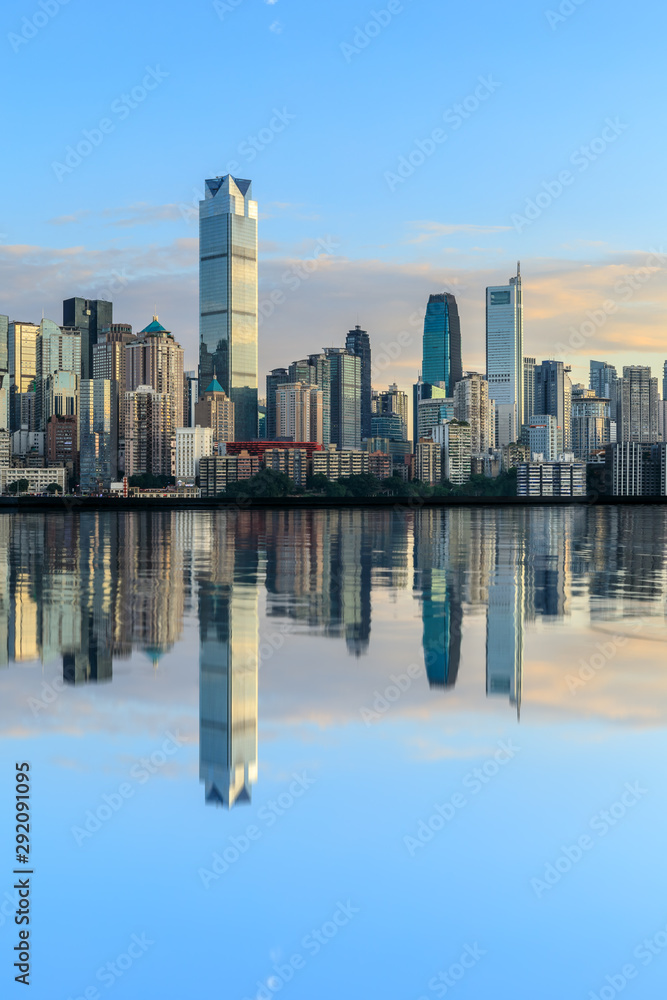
{"x":74,"y":504}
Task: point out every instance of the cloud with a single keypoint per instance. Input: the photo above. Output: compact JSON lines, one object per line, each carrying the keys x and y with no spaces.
{"x":431,"y":230}
{"x":66,"y":220}
{"x":139,"y":214}
{"x":143,"y":214}
{"x":320,"y":302}
{"x":276,"y":27}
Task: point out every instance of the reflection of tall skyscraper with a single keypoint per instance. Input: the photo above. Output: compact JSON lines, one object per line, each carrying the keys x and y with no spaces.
{"x":228,"y":665}
{"x":504,"y":616}
{"x":439,"y":587}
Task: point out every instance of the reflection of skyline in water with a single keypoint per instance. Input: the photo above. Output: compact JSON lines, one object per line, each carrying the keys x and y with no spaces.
{"x":228,"y":665}
{"x":92,"y":589}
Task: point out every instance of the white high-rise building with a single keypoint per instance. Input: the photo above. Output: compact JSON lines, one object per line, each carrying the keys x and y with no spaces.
{"x":504,"y":351}
{"x":192,"y":443}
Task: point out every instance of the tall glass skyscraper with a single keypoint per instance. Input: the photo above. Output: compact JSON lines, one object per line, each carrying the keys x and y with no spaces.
{"x":345,"y":373}
{"x":504,"y":348}
{"x":228,"y":296}
{"x":441,"y":358}
{"x":93,"y":317}
{"x":358,"y":342}
{"x":98,"y":433}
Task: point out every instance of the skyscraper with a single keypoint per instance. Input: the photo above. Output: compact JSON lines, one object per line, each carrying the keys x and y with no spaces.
{"x":441,"y":347}
{"x":4,"y":374}
{"x":590,"y":425}
{"x":228,"y":296}
{"x":528,"y":388}
{"x":58,"y":351}
{"x":391,"y":403}
{"x":93,"y":317}
{"x":553,"y":395}
{"x":358,"y":342}
{"x":504,"y":351}
{"x":316,"y":369}
{"x":345,"y":373}
{"x":299,"y":412}
{"x":637,"y":405}
{"x":602,"y":379}
{"x":472,"y":404}
{"x":278,"y":376}
{"x":22,"y":351}
{"x":98,"y":433}
{"x":155,"y":359}
{"x":149,"y":433}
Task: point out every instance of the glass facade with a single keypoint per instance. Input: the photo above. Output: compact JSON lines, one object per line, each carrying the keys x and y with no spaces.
{"x":58,"y":350}
{"x":504,"y":348}
{"x":228,"y":296}
{"x":22,"y":352}
{"x":98,"y":433}
{"x":93,"y":317}
{"x":358,"y":342}
{"x":441,"y":359}
{"x":345,"y":413}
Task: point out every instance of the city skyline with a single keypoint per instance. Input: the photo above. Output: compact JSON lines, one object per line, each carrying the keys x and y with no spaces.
{"x":135,"y":240}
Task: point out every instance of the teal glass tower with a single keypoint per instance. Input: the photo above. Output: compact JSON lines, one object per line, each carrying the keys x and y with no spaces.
{"x":441,"y":360}
{"x":228,"y":296}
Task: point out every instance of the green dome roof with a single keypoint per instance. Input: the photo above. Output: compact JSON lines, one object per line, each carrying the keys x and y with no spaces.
{"x":155,"y":327}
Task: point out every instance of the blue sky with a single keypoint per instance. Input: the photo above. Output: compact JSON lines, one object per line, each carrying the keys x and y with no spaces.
{"x":353,"y":97}
{"x":470,"y":884}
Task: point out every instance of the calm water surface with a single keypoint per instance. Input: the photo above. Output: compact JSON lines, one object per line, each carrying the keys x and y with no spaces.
{"x":338,"y":753}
